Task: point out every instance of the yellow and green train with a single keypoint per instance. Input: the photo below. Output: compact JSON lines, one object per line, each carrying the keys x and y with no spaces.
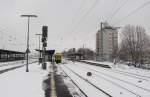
{"x":58,"y":57}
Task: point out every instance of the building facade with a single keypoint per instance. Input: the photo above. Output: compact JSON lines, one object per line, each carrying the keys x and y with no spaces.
{"x":106,"y":43}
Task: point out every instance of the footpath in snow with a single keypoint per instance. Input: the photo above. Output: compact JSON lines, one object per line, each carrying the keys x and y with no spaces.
{"x":18,"y":83}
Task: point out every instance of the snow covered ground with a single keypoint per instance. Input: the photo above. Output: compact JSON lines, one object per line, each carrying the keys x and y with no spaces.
{"x":18,"y":83}
{"x":105,"y":63}
{"x":87,"y":88}
{"x":115,"y":83}
{"x":6,"y":65}
{"x":125,"y":68}
{"x":119,"y":81}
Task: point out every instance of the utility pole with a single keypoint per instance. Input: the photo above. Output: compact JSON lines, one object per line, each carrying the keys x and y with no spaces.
{"x":39,"y":45}
{"x":44,"y":41}
{"x":27,"y":49}
{"x":101,"y":41}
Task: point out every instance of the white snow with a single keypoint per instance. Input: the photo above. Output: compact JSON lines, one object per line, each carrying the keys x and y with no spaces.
{"x":7,"y":65}
{"x":84,"y":86}
{"x":105,"y":63}
{"x":124,"y":68}
{"x":105,"y":79}
{"x":18,"y":83}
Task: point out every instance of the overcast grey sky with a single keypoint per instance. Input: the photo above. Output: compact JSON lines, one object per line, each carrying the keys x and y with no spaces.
{"x":71,"y":23}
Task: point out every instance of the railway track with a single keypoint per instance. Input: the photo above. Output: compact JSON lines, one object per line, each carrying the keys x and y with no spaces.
{"x":118,"y":85}
{"x":114,"y":83}
{"x":141,"y":77}
{"x":15,"y":67}
{"x":12,"y":68}
{"x":86,"y":81}
{"x":133,"y":74}
{"x":74,"y":82}
{"x":106,"y":76}
{"x":11,"y":63}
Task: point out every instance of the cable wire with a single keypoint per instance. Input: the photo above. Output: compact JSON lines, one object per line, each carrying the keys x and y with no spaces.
{"x":86,"y":14}
{"x":112,"y":9}
{"x":78,"y":11}
{"x":134,"y":11}
{"x":119,"y":8}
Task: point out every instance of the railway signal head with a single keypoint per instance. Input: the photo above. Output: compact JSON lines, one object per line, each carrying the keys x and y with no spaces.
{"x":44,"y":39}
{"x":44,"y":31}
{"x":44,"y":44}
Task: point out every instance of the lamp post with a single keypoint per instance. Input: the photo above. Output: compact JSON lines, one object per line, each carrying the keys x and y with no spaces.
{"x":27,"y":50}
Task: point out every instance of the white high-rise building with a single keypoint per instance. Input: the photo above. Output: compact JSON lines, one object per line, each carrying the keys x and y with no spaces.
{"x":106,"y":42}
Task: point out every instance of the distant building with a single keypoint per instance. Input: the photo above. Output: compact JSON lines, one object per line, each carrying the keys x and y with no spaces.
{"x":106,"y":42}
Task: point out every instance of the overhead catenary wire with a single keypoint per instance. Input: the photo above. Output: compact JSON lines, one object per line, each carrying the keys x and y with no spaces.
{"x":117,"y":10}
{"x":77,"y":13}
{"x":79,"y":10}
{"x":82,"y":18}
{"x":112,"y":9}
{"x":133,"y":12}
{"x":85,"y":15}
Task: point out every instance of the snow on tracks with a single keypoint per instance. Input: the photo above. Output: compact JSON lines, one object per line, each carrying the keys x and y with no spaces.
{"x":14,"y":65}
{"x":121,"y":88}
{"x":88,"y":88}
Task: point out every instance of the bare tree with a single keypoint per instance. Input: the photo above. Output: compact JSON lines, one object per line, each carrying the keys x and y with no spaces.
{"x":134,"y":42}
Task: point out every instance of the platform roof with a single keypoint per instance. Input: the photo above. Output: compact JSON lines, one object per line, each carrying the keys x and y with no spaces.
{"x":2,"y":51}
{"x":51,"y":52}
{"x":75,"y":54}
